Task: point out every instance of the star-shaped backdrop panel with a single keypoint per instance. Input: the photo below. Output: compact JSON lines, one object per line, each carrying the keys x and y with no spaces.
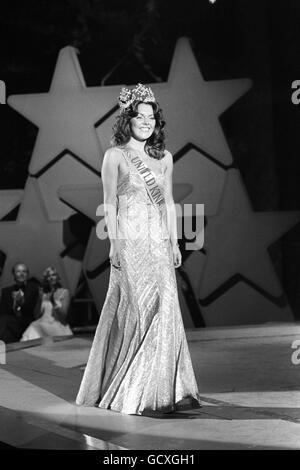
{"x":67,"y":114}
{"x":35,"y":240}
{"x":206,"y":180}
{"x":9,"y":200}
{"x":242,"y":305}
{"x":86,"y":199}
{"x":104,"y":130}
{"x":191,"y":105}
{"x":236,"y":240}
{"x":66,"y":171}
{"x":194,"y":265}
{"x":192,"y":312}
{"x":237,"y":305}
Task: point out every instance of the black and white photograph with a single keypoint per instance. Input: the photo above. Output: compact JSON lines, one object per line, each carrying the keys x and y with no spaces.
{"x":149,"y":228}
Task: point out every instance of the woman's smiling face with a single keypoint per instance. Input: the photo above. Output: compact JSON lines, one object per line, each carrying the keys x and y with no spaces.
{"x":143,"y":124}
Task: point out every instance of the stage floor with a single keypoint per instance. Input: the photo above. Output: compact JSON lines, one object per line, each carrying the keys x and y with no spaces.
{"x":249,"y":386}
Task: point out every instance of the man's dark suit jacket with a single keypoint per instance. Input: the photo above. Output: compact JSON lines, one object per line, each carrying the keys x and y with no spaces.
{"x":12,"y":326}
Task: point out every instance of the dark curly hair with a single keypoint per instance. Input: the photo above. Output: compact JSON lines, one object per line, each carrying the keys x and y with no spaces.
{"x":155,"y":145}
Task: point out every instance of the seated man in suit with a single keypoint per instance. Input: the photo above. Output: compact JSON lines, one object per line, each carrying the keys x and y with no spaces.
{"x":17,"y":305}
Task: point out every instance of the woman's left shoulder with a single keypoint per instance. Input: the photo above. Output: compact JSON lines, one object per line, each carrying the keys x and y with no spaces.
{"x":167,"y":154}
{"x":62,"y":291}
{"x":168,"y":157}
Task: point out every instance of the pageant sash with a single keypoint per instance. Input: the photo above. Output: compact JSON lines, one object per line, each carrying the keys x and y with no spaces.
{"x":149,"y":179}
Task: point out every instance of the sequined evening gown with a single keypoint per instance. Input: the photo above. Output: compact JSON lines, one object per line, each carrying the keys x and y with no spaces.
{"x":139,"y":360}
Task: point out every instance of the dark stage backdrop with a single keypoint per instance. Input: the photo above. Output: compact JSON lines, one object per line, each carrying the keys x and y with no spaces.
{"x":125,"y":42}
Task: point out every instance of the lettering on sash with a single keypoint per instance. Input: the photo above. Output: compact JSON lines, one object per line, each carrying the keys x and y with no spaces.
{"x":149,"y":179}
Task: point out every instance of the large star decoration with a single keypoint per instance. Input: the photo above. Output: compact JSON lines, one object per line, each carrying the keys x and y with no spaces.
{"x":236,"y":240}
{"x":66,"y":171}
{"x":86,"y":199}
{"x":192,"y":106}
{"x":67,"y":114}
{"x":242,"y":304}
{"x":9,"y":200}
{"x":205,"y":177}
{"x":36,"y":241}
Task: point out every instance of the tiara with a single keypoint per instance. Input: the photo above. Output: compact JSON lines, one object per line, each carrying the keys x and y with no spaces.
{"x":138,"y":93}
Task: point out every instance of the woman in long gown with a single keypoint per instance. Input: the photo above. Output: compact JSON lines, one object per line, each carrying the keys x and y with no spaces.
{"x":139,"y":361}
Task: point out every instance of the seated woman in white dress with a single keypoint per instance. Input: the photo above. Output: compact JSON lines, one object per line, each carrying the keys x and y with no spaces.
{"x":52,"y":307}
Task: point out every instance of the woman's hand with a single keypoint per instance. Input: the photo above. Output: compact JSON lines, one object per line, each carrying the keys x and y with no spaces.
{"x":176,"y":256}
{"x":57,"y":304}
{"x":114,"y":254}
{"x":58,"y":313}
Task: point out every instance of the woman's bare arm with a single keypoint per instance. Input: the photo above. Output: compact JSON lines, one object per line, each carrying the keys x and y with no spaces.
{"x":109,"y":175}
{"x":65,"y":302}
{"x":61,"y":306}
{"x":170,"y":206}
